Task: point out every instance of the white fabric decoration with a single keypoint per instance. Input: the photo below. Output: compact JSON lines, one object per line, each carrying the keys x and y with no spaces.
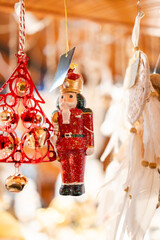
{"x":136,"y":29}
{"x":151,"y":136}
{"x":116,"y":128}
{"x":128,"y":213}
{"x":140,"y":92}
{"x":131,"y":72}
{"x":129,"y":199}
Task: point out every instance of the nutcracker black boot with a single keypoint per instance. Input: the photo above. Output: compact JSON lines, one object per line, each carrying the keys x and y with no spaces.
{"x":77,"y":189}
{"x":65,"y":190}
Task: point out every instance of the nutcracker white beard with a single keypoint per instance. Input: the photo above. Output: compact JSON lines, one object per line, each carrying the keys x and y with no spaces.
{"x":65,"y":107}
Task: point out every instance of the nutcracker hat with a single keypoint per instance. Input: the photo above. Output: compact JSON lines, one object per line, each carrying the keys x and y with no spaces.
{"x":72,"y":83}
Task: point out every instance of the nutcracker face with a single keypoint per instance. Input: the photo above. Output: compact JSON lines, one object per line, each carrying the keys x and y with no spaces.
{"x":68,"y":100}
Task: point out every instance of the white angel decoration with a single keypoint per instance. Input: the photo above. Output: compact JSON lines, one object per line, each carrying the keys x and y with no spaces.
{"x":137,"y":193}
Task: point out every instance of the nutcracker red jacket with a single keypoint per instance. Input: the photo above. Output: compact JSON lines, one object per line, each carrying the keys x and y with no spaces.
{"x":78,"y":134}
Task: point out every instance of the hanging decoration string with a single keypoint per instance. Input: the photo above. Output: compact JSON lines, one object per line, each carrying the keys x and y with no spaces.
{"x":139,"y":11}
{"x":72,"y":66}
{"x":67,"y":42}
{"x":136,"y":29}
{"x":22,"y":27}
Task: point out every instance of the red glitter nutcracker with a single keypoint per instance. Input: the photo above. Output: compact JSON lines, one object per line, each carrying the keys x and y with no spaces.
{"x":73,"y":134}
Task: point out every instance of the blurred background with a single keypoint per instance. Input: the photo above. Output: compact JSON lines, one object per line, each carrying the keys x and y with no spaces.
{"x":101,"y":31}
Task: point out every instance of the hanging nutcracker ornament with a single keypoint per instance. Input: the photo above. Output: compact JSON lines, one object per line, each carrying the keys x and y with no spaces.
{"x":24,"y":128}
{"x":73,"y":135}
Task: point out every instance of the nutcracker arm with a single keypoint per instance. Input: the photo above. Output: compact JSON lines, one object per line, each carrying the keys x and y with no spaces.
{"x":55,"y":133}
{"x":88,"y":129}
{"x":89,"y":151}
{"x":55,"y":123}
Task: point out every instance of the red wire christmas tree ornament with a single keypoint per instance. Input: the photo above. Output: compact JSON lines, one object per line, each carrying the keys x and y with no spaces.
{"x":20,"y":112}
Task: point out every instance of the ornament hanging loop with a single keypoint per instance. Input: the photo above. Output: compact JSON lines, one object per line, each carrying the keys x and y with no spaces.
{"x":17,"y":166}
{"x":139,"y":12}
{"x":21,"y":28}
{"x":136,"y":29}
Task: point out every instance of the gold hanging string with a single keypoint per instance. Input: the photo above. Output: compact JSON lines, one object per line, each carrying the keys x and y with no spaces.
{"x":67,"y":42}
{"x":72,"y":66}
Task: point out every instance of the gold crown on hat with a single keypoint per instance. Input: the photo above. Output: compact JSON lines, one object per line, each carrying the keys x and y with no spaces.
{"x":72,"y":85}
